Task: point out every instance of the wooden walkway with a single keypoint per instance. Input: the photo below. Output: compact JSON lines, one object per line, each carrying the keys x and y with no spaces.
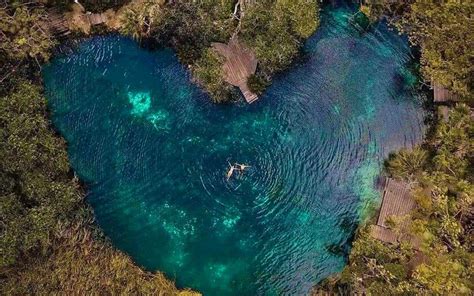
{"x":441,"y":94}
{"x":240,"y":63}
{"x":96,"y":18}
{"x":56,"y":24}
{"x":396,"y":201}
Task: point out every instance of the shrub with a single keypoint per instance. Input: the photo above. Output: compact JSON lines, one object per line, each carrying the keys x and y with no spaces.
{"x":257,"y":84}
{"x":208,"y":71}
{"x":407,"y":164}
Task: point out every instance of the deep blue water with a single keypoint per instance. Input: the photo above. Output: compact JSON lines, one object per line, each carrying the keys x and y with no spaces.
{"x":154,"y":151}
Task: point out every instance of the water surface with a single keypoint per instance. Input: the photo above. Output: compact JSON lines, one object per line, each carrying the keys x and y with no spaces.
{"x":154,"y":151}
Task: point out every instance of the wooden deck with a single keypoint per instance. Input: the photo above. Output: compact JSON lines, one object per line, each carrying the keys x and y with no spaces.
{"x":96,"y":18}
{"x":56,"y":24}
{"x":240,"y":63}
{"x":441,"y":94}
{"x":396,"y":201}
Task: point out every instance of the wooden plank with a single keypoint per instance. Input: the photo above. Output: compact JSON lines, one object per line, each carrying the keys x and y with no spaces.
{"x":240,"y":63}
{"x":441,"y":94}
{"x":396,"y":201}
{"x":96,"y":18}
{"x":383,"y":234}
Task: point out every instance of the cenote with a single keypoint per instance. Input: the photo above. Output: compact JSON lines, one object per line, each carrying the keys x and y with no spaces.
{"x":153,"y":152}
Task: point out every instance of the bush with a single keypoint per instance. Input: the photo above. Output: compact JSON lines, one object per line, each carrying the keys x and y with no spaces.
{"x":407,"y":164}
{"x":274,"y":30}
{"x":257,"y":84}
{"x":33,"y":171}
{"x":208,"y":71}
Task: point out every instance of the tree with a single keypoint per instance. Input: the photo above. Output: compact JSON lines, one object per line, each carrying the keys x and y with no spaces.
{"x":407,"y":164}
{"x":275,"y":29}
{"x":208,"y":71}
{"x":138,"y":19}
{"x":443,"y":30}
{"x":257,"y":84}
{"x":23,"y":32}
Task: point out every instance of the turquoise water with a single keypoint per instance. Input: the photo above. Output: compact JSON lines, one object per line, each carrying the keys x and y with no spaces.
{"x":154,"y":151}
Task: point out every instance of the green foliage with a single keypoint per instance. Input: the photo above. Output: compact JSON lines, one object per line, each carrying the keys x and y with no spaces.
{"x":191,"y":26}
{"x":274,"y":29}
{"x":302,"y":15}
{"x":375,"y":9}
{"x":374,"y":266}
{"x":407,"y":164}
{"x":208,"y":72}
{"x":23,"y":33}
{"x":443,"y":276}
{"x":454,"y":145}
{"x":257,"y":84}
{"x":37,"y":192}
{"x":443,"y":30}
{"x":137,"y":19}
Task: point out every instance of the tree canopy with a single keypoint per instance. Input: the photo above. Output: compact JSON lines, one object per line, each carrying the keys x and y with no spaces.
{"x":444,"y":32}
{"x":22,"y":34}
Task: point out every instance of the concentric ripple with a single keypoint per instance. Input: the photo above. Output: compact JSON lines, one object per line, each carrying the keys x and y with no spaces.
{"x":154,"y":152}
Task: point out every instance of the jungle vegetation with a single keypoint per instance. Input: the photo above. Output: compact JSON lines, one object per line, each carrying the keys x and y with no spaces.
{"x":443,"y":32}
{"x":46,"y":225}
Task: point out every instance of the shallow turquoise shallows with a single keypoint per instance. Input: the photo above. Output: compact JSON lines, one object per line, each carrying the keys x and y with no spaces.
{"x":154,"y":152}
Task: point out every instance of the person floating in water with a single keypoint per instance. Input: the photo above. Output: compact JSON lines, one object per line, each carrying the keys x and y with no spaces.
{"x":235,"y":167}
{"x":242,"y":167}
{"x":230,"y":172}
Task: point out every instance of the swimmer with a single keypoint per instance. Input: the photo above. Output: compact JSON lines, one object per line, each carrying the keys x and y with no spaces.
{"x":230,"y":172}
{"x":242,"y":167}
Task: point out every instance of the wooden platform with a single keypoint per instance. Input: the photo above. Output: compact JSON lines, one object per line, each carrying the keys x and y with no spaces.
{"x":96,"y":18}
{"x":441,"y":94}
{"x":240,"y":63}
{"x":56,"y":24}
{"x":396,"y":201}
